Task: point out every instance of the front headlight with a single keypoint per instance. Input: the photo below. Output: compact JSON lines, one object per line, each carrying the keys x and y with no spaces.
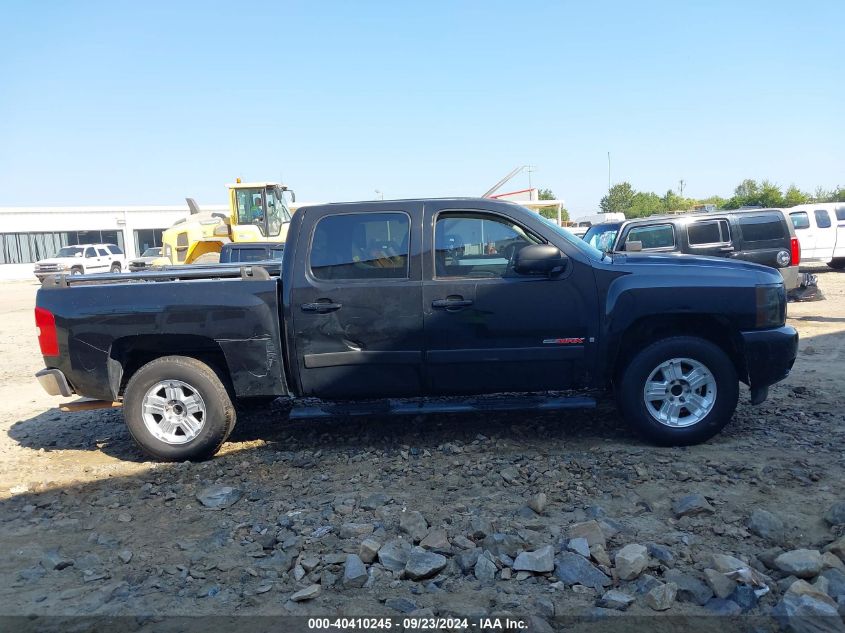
{"x":771,"y":305}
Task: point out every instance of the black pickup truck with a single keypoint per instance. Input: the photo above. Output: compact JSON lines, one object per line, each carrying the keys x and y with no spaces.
{"x":419,"y":306}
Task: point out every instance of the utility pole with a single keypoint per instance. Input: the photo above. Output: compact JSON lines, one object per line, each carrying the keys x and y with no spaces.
{"x":608,"y":172}
{"x":682,"y":183}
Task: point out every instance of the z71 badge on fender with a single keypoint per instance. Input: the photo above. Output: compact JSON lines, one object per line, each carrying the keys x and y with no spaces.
{"x":563,"y":341}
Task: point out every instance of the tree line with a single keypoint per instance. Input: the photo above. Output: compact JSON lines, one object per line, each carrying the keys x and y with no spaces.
{"x":624,"y":198}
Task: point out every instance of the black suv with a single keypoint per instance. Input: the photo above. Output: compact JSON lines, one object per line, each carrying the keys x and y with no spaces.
{"x":762,"y":236}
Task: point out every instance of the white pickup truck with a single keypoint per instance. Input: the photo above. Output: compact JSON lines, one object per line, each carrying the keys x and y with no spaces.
{"x":820,"y":228}
{"x":81,"y":259}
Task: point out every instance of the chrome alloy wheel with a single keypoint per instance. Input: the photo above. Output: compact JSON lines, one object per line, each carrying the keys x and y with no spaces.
{"x":173,"y":411}
{"x":680,"y":392}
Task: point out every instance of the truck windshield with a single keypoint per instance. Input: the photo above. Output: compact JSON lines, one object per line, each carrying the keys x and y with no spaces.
{"x":602,"y":236}
{"x":70,"y":251}
{"x":578,"y":243}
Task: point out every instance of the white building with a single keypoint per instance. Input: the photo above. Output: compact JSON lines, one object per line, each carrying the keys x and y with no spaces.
{"x":28,"y":234}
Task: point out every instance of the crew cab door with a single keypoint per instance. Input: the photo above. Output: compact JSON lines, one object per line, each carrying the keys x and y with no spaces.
{"x":489,"y":329}
{"x":355,"y":302}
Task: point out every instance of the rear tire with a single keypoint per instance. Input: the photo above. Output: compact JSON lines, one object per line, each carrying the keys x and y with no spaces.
{"x":177,"y":408}
{"x":837,"y":264}
{"x":679,"y":391}
{"x":115,"y":268}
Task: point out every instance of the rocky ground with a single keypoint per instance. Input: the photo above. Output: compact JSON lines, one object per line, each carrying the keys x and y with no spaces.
{"x":541,"y":517}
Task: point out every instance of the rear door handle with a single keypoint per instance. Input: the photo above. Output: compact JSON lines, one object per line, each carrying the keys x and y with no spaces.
{"x":321,"y":307}
{"x":451,"y":303}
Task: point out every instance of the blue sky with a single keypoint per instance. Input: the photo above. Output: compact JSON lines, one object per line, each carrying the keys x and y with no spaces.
{"x":149,"y":102}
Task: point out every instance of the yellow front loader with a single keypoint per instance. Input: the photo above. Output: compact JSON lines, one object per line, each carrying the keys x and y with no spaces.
{"x":257,"y":213}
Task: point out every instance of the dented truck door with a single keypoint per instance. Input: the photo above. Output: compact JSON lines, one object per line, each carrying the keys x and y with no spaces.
{"x":355,"y":302}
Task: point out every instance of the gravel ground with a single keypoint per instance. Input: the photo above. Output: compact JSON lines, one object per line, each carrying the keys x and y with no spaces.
{"x":539,"y":516}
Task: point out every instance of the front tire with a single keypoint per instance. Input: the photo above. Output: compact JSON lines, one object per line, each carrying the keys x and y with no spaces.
{"x":176,"y":408}
{"x":679,"y":391}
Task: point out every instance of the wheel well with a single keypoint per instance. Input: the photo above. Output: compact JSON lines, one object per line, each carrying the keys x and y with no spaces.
{"x":130,"y":353}
{"x":647,"y":330}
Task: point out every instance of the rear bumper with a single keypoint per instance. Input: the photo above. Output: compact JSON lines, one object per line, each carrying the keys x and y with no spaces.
{"x":53,"y":381}
{"x":791,"y":278}
{"x":769,"y":356}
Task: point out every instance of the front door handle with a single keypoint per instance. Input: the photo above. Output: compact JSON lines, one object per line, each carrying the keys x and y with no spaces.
{"x":321,"y":307}
{"x":451,"y":303}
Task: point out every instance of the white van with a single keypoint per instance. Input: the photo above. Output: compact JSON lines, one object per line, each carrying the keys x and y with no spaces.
{"x":820,"y":228}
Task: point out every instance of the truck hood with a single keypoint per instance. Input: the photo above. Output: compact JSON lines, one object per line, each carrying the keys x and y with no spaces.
{"x":689,"y":265}
{"x":61,"y":261}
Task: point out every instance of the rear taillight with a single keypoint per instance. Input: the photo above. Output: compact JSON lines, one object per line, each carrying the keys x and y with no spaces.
{"x":796,"y":251}
{"x":47,"y":339}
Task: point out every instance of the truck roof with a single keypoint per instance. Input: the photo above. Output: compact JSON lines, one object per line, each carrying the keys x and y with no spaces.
{"x":681,"y":216}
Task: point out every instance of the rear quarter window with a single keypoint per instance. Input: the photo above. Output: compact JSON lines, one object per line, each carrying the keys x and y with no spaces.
{"x":840,"y":213}
{"x":800,"y":220}
{"x":762,"y":228}
{"x":706,"y":232}
{"x":822,"y":218}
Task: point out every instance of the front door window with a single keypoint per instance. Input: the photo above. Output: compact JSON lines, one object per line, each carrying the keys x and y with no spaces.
{"x":477,"y":246}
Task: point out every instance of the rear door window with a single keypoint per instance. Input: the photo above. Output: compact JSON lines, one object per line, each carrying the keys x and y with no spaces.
{"x":708,"y":232}
{"x":822,"y":218}
{"x":762,"y":228}
{"x":655,"y":236}
{"x":354,"y":246}
{"x":800,"y":220}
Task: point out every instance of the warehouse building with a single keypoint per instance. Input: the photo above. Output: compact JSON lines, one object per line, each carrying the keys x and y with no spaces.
{"x":28,"y":234}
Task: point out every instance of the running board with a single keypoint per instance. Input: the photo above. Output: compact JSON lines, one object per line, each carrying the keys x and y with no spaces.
{"x":450,"y":405}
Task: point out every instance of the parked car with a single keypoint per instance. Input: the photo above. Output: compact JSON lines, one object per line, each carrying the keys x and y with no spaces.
{"x":762,"y":236}
{"x":150,"y":258}
{"x":82,"y":259}
{"x":234,"y":253}
{"x":820,"y":228}
{"x":455,"y":298}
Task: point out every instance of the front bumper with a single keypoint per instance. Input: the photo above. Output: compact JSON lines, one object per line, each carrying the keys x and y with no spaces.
{"x":769,"y":356}
{"x":53,"y":381}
